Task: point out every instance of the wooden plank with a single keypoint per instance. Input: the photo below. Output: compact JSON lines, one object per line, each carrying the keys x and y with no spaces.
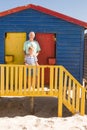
{"x":7,"y":79}
{"x":73,"y":95}
{"x":20,"y":79}
{"x":83,"y":102}
{"x":38,"y":79}
{"x":42,"y":79}
{"x":25,"y":79}
{"x":34,"y":78}
{"x":51,"y":79}
{"x":60,"y":105}
{"x":65,"y":87}
{"x":77,"y":98}
{"x":69,"y":90}
{"x":56,"y":79}
{"x":29,"y":82}
{"x":2,"y":80}
{"x":16,"y":79}
{"x":11,"y":79}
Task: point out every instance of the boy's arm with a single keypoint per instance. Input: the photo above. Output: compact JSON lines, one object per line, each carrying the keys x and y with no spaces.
{"x":25,"y":60}
{"x":36,"y":60}
{"x":37,"y":64}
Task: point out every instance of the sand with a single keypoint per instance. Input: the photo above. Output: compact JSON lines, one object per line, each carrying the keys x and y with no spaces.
{"x":15,"y":115}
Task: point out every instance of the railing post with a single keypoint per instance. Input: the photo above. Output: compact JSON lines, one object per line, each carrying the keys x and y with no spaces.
{"x":60,"y":105}
{"x":51,"y":80}
{"x":32,"y":105}
{"x":83,"y":102}
{"x":2,"y":76}
{"x":77,"y":99}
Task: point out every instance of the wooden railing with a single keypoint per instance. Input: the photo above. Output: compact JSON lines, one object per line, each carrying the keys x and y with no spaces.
{"x":16,"y":80}
{"x":85,"y":86}
{"x":21,"y":80}
{"x":73,"y":93}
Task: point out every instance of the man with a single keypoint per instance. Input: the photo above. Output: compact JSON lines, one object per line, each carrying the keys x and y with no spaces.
{"x":33,"y":43}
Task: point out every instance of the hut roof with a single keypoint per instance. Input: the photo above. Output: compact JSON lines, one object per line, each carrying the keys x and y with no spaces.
{"x":46,"y":11}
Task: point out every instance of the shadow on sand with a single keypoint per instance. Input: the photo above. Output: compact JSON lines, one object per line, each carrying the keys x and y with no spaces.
{"x":44,"y":107}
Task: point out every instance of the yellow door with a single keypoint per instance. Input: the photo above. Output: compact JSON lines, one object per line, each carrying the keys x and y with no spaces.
{"x":14,"y":48}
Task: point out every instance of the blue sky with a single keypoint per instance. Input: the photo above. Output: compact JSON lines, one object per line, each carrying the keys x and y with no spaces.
{"x":73,"y":8}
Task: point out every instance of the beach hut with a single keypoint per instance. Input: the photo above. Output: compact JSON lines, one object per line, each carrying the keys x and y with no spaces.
{"x":61,"y":37}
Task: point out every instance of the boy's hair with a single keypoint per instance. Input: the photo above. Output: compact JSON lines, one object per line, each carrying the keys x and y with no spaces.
{"x":31,"y":48}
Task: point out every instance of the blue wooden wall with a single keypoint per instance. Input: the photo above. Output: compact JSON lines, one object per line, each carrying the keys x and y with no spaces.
{"x":70,"y":37}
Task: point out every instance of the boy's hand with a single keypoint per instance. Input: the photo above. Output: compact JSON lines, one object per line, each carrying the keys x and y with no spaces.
{"x":37,"y":64}
{"x":26,"y":64}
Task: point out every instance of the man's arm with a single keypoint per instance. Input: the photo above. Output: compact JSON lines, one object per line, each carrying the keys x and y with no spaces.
{"x":24,"y":51}
{"x":24,"y":48}
{"x":37,"y":53}
{"x":38,"y":49}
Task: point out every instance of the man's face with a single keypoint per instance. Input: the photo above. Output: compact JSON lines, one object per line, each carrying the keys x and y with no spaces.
{"x":31,"y":36}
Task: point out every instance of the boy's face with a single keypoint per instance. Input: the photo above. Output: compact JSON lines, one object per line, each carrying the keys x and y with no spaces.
{"x":30,"y":51}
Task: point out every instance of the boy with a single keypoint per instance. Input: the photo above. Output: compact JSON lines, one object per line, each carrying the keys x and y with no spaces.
{"x":31,"y":59}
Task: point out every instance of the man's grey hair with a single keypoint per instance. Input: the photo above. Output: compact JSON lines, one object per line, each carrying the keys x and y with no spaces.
{"x":32,"y":33}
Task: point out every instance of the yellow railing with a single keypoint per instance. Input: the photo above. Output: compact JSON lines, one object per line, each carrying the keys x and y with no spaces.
{"x":73,"y":93}
{"x":85,"y":86}
{"x":86,"y":94}
{"x":17,"y":80}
